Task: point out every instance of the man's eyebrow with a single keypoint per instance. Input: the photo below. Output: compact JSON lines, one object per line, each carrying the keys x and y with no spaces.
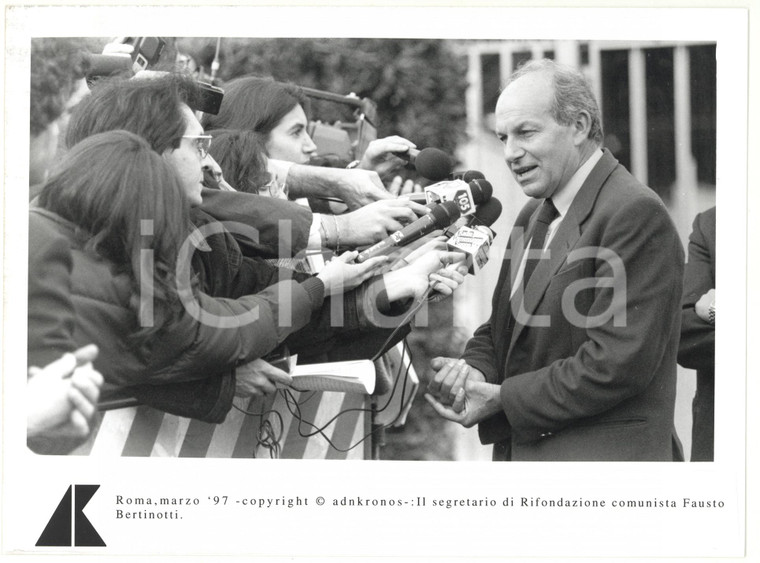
{"x":529,"y":121}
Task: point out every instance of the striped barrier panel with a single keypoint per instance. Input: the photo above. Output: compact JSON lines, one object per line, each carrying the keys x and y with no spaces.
{"x":288,"y":424}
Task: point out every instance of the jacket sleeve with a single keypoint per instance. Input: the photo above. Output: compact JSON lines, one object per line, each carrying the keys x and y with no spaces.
{"x":273,"y":220}
{"x":697,"y":347}
{"x":214,"y":334}
{"x":481,"y":354}
{"x":617,"y":359}
{"x":362,"y":318}
{"x":208,"y":399}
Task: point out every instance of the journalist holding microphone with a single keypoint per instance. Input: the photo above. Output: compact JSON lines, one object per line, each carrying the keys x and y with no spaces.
{"x":181,"y":362}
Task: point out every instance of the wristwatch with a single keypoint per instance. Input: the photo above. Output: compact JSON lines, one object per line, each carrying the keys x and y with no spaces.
{"x":711,"y":313}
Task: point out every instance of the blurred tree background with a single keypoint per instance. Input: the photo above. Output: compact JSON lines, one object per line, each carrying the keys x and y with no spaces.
{"x":419,"y":88}
{"x":418,"y":84}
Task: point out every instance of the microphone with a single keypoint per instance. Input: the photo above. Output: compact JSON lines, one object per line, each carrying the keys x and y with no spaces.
{"x":472,"y":235}
{"x":430,"y":163}
{"x":474,"y":242}
{"x":440,"y":217}
{"x":468,"y":175}
{"x":467,"y":195}
{"x":485,"y":215}
{"x":478,"y":191}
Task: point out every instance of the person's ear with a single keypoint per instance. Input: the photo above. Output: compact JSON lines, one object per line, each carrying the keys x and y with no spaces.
{"x":582,"y":127}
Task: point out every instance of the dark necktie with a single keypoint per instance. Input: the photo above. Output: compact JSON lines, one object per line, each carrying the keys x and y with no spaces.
{"x":546,"y":215}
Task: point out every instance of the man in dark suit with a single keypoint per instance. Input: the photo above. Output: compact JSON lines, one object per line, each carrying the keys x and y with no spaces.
{"x":578,"y":359}
{"x":697,"y":348}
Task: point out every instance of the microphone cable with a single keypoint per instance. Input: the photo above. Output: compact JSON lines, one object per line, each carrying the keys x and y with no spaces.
{"x":268,"y":438}
{"x":294,"y":408}
{"x":266,"y":435}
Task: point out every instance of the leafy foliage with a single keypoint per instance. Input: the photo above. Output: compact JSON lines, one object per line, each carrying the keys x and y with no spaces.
{"x":418,"y":84}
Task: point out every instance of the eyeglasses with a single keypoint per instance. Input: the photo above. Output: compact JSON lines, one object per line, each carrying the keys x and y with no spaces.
{"x":202,"y":143}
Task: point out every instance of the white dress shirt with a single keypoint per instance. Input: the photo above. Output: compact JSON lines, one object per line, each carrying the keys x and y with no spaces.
{"x":562,"y":200}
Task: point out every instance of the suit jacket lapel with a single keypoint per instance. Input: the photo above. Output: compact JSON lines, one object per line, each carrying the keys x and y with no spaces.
{"x":564,"y":240}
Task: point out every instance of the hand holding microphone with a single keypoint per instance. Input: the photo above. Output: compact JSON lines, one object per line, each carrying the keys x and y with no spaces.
{"x":488,"y":210}
{"x":342,"y":274}
{"x":431,"y":268}
{"x":436,"y":165}
{"x":440,"y":217}
{"x":386,"y":155}
{"x":449,"y":274}
{"x":473,"y":236}
{"x":430,"y":163}
{"x":470,"y":239}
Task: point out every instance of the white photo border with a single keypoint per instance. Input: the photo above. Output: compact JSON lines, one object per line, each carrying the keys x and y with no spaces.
{"x":33,"y":485}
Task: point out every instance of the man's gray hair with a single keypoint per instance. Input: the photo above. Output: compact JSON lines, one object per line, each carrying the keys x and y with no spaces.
{"x":572,"y":94}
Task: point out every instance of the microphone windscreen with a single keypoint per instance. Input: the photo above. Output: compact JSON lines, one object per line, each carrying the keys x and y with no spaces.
{"x":444,"y":214}
{"x":433,"y":164}
{"x":487,"y":213}
{"x":468,"y":175}
{"x":482,"y":190}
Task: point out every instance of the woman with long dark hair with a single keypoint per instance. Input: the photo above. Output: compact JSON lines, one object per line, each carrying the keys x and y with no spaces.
{"x":242,"y":157}
{"x":278,"y":112}
{"x":126,"y":205}
{"x":274,"y":110}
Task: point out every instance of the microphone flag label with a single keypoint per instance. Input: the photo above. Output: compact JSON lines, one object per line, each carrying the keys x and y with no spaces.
{"x":474,"y":243}
{"x":452,"y":190}
{"x":68,"y":526}
{"x":464,"y":200}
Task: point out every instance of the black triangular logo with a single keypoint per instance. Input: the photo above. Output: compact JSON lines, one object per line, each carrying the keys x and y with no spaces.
{"x":84,"y":531}
{"x":58,"y":529}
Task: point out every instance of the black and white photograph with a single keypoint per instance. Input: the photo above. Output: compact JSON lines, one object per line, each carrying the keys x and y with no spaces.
{"x":400,"y":283}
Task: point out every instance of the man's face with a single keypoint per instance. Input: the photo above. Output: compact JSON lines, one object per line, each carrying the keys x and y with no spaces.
{"x":289,"y":140}
{"x":541,"y":154}
{"x":187,"y":160}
